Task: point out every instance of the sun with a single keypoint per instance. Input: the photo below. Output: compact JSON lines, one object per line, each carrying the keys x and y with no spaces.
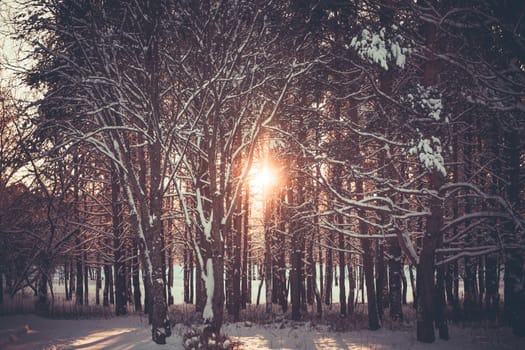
{"x":262,"y":178}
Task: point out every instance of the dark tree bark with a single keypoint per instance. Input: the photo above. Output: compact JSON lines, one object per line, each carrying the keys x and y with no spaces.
{"x":452,"y":272}
{"x":71,"y":278}
{"x":380,"y":277}
{"x":470,"y":301}
{"x":107,"y":282}
{"x":200,"y":293}
{"x":320,"y":262}
{"x":396,"y":273}
{"x":228,"y":267}
{"x":245,"y":247}
{"x":98,"y":284}
{"x":188,"y":266}
{"x":310,"y":267}
{"x":440,"y":304}
{"x":66,"y":280}
{"x":118,"y":247}
{"x":481,"y":282}
{"x":153,"y":245}
{"x":352,"y":285}
{"x":42,"y":304}
{"x":281,"y":260}
{"x":491,"y":261}
{"x":342,"y":278}
{"x":2,"y":288}
{"x":492,"y":287}
{"x":295,"y":260}
{"x":368,"y":266}
{"x":170,"y":276}
{"x":269,"y":254}
{"x":329,"y":273}
{"x":514,"y":289}
{"x":237,"y":241}
{"x":426,"y":288}
{"x":86,"y":280}
{"x":129,"y":267}
{"x":80,"y":278}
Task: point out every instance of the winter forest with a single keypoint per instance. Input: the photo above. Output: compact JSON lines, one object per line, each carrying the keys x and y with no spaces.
{"x":301,"y":160}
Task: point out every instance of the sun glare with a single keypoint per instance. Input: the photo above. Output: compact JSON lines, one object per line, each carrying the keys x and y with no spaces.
{"x":262,"y":178}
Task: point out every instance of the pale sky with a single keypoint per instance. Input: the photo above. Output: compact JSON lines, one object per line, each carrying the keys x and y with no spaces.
{"x":10,"y":50}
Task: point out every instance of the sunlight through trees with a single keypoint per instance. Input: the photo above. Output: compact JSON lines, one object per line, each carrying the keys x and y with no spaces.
{"x":300,"y":154}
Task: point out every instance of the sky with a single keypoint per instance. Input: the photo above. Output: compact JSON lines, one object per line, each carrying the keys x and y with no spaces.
{"x":8,"y":55}
{"x":11,"y":52}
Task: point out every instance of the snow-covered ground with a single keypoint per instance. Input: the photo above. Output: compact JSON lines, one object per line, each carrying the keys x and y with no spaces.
{"x":30,"y":332}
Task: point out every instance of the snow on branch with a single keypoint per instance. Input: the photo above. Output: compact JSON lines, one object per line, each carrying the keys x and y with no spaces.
{"x":429,"y":153}
{"x":380,"y":49}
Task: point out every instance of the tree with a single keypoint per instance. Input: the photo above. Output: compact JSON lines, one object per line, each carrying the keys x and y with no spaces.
{"x":239,"y":84}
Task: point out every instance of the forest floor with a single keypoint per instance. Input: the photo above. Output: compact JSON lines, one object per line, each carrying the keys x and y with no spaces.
{"x":31,"y":332}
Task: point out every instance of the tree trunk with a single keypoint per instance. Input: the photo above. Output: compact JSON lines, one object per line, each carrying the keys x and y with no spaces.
{"x":42,"y":304}
{"x":80,"y":279}
{"x":413,"y":285}
{"x":245,"y":246}
{"x":426,"y":288}
{"x":1,"y":287}
{"x":396,"y":273}
{"x":187,"y":258}
{"x":107,"y":282}
{"x":268,"y":254}
{"x":514,"y":279}
{"x":98,"y":284}
{"x":118,"y":247}
{"x":129,"y":267}
{"x":71,"y":278}
{"x":342,"y":278}
{"x":66,"y":280}
{"x":320,"y":262}
{"x":380,"y":277}
{"x":261,"y":276}
{"x":441,"y":322}
{"x":368,"y":265}
{"x":481,"y":281}
{"x":281,"y":261}
{"x":135,"y":276}
{"x":228,"y":264}
{"x":492,"y":286}
{"x":310,"y":267}
{"x":237,"y":241}
{"x":295,"y":259}
{"x":329,"y":275}
{"x":170,"y":276}
{"x":86,"y":280}
{"x":491,"y":261}
{"x":200,"y":293}
{"x":404,"y":284}
{"x":351,"y":286}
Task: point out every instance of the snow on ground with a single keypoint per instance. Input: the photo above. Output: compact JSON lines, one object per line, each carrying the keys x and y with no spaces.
{"x":132,"y":333}
{"x":310,"y":337}
{"x":123,"y":333}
